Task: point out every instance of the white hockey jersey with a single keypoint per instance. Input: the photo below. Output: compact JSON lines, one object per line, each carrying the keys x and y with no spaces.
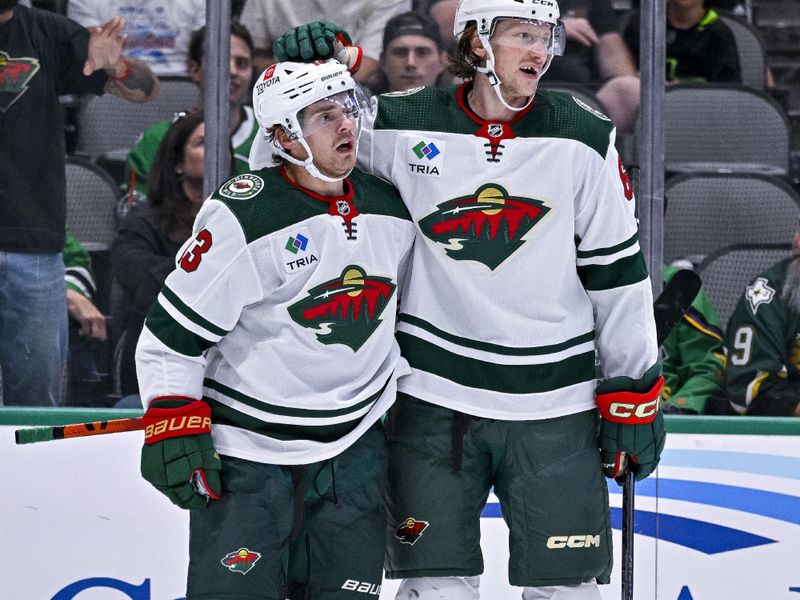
{"x":527,"y":258}
{"x":281,"y":315}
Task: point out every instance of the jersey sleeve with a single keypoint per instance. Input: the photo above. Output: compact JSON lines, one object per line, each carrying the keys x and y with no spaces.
{"x":756,"y":374}
{"x":78,"y":267}
{"x":214,"y":279}
{"x":612,"y":268}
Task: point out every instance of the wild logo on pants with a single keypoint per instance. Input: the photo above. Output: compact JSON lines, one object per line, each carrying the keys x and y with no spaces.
{"x":410,"y":530}
{"x":241,"y":561}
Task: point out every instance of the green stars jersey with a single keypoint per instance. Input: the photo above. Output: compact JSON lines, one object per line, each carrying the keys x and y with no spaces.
{"x":281,"y":315}
{"x":693,"y":361}
{"x":762,"y":343}
{"x":527,"y":260}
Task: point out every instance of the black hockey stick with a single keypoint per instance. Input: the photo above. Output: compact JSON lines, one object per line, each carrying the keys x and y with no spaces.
{"x":669,"y":308}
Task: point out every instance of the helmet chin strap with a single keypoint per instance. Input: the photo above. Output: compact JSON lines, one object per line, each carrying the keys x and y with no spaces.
{"x":494,"y":80}
{"x":308,"y":163}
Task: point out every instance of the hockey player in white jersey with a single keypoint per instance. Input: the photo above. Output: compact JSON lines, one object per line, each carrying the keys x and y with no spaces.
{"x":272,"y":343}
{"x":527,"y":267}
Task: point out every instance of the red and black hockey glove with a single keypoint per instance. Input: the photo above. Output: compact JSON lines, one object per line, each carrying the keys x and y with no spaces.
{"x":178,"y":456}
{"x":632,"y":431}
{"x":318,"y":40}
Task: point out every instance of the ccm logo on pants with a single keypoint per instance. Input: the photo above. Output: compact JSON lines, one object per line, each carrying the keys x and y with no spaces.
{"x":556,"y":542}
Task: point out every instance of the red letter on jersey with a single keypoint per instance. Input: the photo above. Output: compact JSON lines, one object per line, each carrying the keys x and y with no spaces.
{"x":194,"y":253}
{"x":626,"y":180}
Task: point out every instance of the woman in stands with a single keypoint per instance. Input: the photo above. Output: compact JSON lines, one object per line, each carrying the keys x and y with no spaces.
{"x":150,"y":235}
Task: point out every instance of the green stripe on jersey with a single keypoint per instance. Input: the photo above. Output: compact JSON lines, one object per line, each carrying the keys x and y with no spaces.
{"x":225,"y":415}
{"x":187,"y":312}
{"x":625,"y":271}
{"x":610,"y":250}
{"x":174,"y":335}
{"x":496,"y":348}
{"x":507,"y":379}
{"x":286,"y":411}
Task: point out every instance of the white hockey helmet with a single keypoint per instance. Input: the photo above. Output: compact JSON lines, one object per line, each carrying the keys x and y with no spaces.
{"x":486,"y":14}
{"x":281,"y":93}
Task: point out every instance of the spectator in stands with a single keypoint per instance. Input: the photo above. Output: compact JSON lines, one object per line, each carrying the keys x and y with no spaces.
{"x":86,"y":374}
{"x":42,"y":55}
{"x":365,"y":20}
{"x":762,"y":342}
{"x":693,"y":360}
{"x":158,"y":32}
{"x":143,"y":252}
{"x":444,"y":13}
{"x":412,"y":54}
{"x":700,"y":46}
{"x":596,"y":56}
{"x":243,"y":125}
{"x":80,"y":289}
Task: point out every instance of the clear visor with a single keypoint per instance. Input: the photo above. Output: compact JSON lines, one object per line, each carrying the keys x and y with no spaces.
{"x":529,"y":35}
{"x":331,"y":111}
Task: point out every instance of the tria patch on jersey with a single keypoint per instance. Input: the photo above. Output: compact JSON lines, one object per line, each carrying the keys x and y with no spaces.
{"x":759,"y":293}
{"x":242,"y":187}
{"x":486,"y":226}
{"x":299,"y":251}
{"x":426,"y":157}
{"x":344,"y":310}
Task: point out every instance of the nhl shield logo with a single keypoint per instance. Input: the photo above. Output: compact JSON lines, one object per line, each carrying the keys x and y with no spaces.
{"x":241,"y":561}
{"x":495,"y":130}
{"x":343,"y":207}
{"x":410,"y":530}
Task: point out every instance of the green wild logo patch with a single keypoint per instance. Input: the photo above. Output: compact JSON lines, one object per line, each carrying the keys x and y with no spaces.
{"x":486,"y":226}
{"x":344,"y":310}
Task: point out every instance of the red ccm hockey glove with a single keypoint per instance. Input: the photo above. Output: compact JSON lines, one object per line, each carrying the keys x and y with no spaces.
{"x":178,"y":456}
{"x":631,"y":427}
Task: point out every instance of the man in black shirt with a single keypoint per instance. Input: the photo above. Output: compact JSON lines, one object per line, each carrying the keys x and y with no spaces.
{"x":44,"y":55}
{"x":700,"y":46}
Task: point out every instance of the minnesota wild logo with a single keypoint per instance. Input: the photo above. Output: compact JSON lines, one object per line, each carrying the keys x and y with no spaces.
{"x":15,"y":75}
{"x":344,"y":310}
{"x":486,"y":226}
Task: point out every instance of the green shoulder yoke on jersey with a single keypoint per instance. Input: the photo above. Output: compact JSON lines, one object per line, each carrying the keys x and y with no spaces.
{"x":552,"y":115}
{"x":268,"y":202}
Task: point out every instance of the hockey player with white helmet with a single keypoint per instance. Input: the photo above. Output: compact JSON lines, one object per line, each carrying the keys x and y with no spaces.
{"x":527,"y":281}
{"x":272,"y":344}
